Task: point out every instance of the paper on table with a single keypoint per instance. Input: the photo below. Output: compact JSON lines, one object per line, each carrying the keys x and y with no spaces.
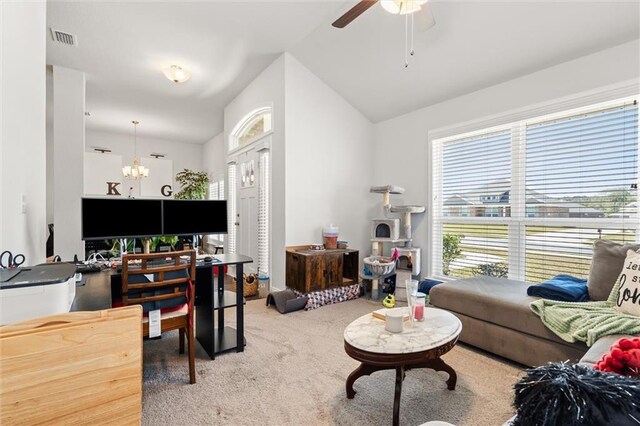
{"x":154,"y":323}
{"x":382,"y":313}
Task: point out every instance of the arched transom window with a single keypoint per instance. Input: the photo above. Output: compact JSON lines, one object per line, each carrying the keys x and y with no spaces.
{"x":253,"y":126}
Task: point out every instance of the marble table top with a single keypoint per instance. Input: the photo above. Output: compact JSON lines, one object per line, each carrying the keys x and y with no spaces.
{"x":368,"y":333}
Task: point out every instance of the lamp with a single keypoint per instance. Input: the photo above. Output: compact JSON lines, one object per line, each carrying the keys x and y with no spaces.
{"x":176,"y":74}
{"x":136,"y":171}
{"x":400,"y":7}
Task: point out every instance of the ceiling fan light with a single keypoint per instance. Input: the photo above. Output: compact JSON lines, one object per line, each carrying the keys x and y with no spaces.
{"x":402,"y":7}
{"x":390,"y":6}
{"x":176,"y":74}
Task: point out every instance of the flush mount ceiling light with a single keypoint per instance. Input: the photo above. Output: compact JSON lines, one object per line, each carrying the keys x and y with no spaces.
{"x":176,"y":74}
{"x":399,"y":7}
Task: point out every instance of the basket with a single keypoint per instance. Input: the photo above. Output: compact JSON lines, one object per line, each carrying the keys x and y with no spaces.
{"x":380,"y":265}
{"x":249,"y":284}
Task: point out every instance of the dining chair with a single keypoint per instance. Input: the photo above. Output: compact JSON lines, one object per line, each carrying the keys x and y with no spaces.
{"x":163,"y":281}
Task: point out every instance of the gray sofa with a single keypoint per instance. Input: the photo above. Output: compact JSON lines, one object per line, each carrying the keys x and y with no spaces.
{"x":496,"y":317}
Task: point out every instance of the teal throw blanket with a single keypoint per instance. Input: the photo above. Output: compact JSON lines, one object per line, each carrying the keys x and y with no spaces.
{"x":585,"y":321}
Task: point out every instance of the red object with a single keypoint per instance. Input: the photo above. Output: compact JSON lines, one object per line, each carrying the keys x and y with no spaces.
{"x":330,"y":242}
{"x":215,"y":270}
{"x":395,"y":255}
{"x":623,"y":358}
{"x":418,"y":312}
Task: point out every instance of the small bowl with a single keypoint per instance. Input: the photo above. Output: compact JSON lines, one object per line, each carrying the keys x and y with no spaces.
{"x":343,"y":244}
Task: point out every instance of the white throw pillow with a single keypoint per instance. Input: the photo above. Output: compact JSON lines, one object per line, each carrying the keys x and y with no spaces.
{"x":628,"y":300}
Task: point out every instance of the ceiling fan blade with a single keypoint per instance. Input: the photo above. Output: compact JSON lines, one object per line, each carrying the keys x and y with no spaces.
{"x":424,"y":19}
{"x":353,"y":13}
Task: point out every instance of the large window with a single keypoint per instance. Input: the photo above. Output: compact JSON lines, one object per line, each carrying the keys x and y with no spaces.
{"x":526,"y":200}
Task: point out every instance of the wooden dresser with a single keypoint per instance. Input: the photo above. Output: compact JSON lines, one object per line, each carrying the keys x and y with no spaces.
{"x":313,"y":270}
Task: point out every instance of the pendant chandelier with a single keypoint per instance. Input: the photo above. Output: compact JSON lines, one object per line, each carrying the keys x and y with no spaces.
{"x":137,"y":171}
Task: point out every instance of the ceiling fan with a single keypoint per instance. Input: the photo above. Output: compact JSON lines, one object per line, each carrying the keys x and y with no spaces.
{"x":424,"y":19}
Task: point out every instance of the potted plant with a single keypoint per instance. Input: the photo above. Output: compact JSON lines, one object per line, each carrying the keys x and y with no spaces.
{"x":150,"y":243}
{"x":193,"y":185}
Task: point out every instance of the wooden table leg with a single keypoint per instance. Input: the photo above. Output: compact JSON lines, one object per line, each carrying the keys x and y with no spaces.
{"x":362,"y":370}
{"x":396,"y":398}
{"x":439,"y":365}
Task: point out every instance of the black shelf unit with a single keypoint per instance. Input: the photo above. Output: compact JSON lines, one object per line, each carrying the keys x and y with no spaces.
{"x":212,"y":300}
{"x":226,"y":340}
{"x":228,"y":300}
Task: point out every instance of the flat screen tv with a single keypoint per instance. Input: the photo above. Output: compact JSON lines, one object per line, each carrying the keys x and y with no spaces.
{"x":194,"y":217}
{"x":106,"y":218}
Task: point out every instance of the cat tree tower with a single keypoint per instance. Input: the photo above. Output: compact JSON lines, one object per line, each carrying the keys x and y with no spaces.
{"x":396,"y":232}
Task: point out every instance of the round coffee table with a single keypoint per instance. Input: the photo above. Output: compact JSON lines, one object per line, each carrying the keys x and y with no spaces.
{"x":418,"y":346}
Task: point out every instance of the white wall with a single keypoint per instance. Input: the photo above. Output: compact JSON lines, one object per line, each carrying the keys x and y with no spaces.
{"x":401,"y":143}
{"x":329,"y":157}
{"x":321,"y":157}
{"x":68,"y":160}
{"x":49,"y":144}
{"x":184,"y":155}
{"x":22,"y":154}
{"x":49,"y":157}
{"x":268,"y":88}
{"x":214,"y":157}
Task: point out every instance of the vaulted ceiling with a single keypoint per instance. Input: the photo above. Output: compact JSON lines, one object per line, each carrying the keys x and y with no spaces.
{"x":123,"y":46}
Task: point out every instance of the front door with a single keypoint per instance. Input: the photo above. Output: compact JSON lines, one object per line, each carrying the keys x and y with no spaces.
{"x":247,"y":187}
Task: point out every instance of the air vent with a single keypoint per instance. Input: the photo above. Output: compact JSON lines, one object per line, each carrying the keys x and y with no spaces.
{"x":64,"y":38}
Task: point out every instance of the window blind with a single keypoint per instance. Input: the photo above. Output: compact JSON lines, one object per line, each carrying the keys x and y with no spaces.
{"x":476,"y":176}
{"x":263,"y":213}
{"x":232,"y":208}
{"x":533,"y":195}
{"x":584,"y":165}
{"x":580,"y":168}
{"x":216,"y":192}
{"x":475,"y":249}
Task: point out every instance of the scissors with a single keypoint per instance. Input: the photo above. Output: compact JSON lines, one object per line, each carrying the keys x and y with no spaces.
{"x":13,"y":261}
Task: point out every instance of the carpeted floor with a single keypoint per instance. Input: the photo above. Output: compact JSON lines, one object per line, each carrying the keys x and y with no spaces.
{"x":293,"y":372}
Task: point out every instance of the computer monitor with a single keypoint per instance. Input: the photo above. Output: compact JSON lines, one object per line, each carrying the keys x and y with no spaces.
{"x":106,"y":218}
{"x":194,"y":217}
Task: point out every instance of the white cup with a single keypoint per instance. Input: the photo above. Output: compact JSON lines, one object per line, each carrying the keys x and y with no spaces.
{"x":393,"y":320}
